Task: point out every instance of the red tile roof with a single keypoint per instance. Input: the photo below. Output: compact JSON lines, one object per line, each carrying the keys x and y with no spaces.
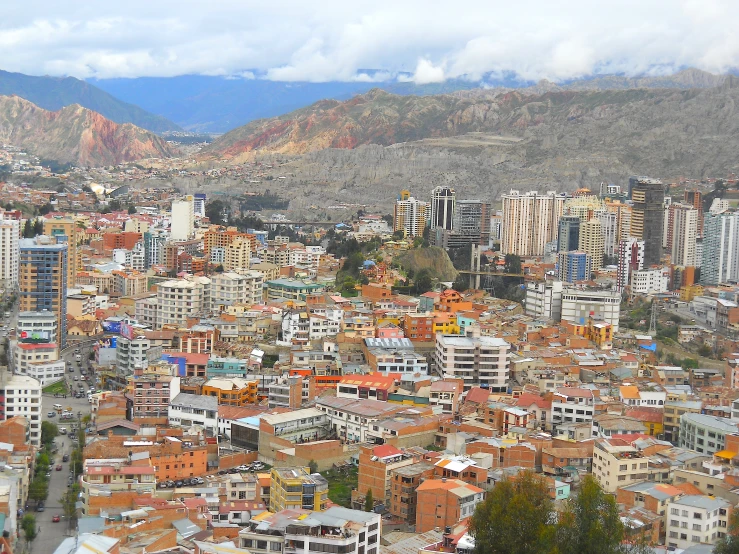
{"x":526,"y":400}
{"x":478,"y":395}
{"x":386,"y":451}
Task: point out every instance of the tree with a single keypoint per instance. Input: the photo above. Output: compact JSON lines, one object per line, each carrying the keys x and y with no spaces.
{"x":514,"y":518}
{"x":512,"y":264}
{"x":28,"y":229}
{"x":69,"y":505}
{"x":38,"y":490}
{"x":729,"y":543}
{"x":49,"y":431}
{"x":313,"y":466}
{"x":45,"y":209}
{"x":369,"y":501}
{"x":423,"y":281}
{"x":38,"y":227}
{"x":590,"y":522}
{"x":460,"y":283}
{"x":28,"y":524}
{"x":131,"y":209}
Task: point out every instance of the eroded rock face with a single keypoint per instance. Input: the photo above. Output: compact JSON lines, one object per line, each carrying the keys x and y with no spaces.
{"x":75,"y":135}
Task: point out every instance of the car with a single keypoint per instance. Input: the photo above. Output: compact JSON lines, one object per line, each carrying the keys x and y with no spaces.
{"x":40,"y":507}
{"x":65,"y":458}
{"x":178,"y":483}
{"x":58,"y":467}
{"x":62,"y":430}
{"x":199,"y":480}
{"x":243,"y":468}
{"x":48,"y":474}
{"x":56,"y":519}
{"x":70,"y":480}
{"x":76,"y":378}
{"x":50,"y":414}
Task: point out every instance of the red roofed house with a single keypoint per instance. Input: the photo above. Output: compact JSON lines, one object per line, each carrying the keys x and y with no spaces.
{"x":373,"y":386}
{"x":539,"y":408}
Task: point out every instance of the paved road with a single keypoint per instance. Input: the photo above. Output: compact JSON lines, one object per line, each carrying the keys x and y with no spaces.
{"x":52,"y":534}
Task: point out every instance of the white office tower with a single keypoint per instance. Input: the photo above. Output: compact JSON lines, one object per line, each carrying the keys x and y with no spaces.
{"x":720,"y":248}
{"x":530,"y":221}
{"x":630,"y":259}
{"x":443,"y":203}
{"x":9,"y":252}
{"x":684,"y":235}
{"x":183,"y":219}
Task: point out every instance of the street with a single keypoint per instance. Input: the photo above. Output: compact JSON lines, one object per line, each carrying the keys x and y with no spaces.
{"x":50,"y":534}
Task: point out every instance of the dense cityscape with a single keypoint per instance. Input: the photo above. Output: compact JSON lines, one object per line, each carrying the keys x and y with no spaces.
{"x":183,"y":374}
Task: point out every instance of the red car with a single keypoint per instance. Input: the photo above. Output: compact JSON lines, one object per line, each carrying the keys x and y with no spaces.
{"x":55,"y":519}
{"x":59,"y":467}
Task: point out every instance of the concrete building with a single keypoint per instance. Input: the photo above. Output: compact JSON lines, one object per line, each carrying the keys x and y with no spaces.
{"x":684,"y":235}
{"x":64,"y":230}
{"x":472,"y":217}
{"x":180,"y":299}
{"x":444,"y":502}
{"x":296,"y":488}
{"x":22,"y":395}
{"x":696,"y":520}
{"x":136,"y":352}
{"x":591,"y":242}
{"x":43,"y":325}
{"x":574,"y":266}
{"x":616,"y":463}
{"x":43,"y":280}
{"x":477,"y":360}
{"x":630,"y":259}
{"x":152,"y":393}
{"x":237,"y":254}
{"x":443,"y":204}
{"x":9,"y":252}
{"x":410,"y":215}
{"x":609,"y":223}
{"x":544,"y":300}
{"x":568,"y":233}
{"x":183,"y":219}
{"x":650,"y":281}
{"x":40,"y":361}
{"x":185,"y":410}
{"x":572,"y":405}
{"x":720,"y":263}
{"x":229,"y":288}
{"x":580,"y":305}
{"x":530,"y":221}
{"x":291,"y":289}
{"x":704,"y":433}
{"x":647,"y":216}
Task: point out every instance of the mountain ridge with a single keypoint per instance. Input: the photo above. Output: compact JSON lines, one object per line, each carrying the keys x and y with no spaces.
{"x":54,"y":93}
{"x":75,"y":134}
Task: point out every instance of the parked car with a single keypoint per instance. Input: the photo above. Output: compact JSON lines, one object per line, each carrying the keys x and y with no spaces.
{"x":56,"y":519}
{"x":65,"y":458}
{"x":50,"y":414}
{"x":243,"y":468}
{"x":178,"y":483}
{"x":40,"y":507}
{"x":62,"y":430}
{"x":59,"y":467}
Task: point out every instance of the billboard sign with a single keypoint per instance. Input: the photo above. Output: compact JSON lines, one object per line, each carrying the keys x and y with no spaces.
{"x":112,"y":326}
{"x":35,"y":336}
{"x":127,"y":331}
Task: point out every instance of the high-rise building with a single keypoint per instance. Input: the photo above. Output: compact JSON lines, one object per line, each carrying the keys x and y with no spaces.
{"x":410,"y":215}
{"x":695,"y":198}
{"x":183,"y":219}
{"x":591,"y":241}
{"x":684,"y":235}
{"x":573,"y":266}
{"x":472,"y":217}
{"x":9,"y":252}
{"x":623,"y":225}
{"x":42,"y":279}
{"x":583,"y":204}
{"x":633,"y":180}
{"x":199,"y":204}
{"x":630,"y":259}
{"x":530,"y":221}
{"x":720,"y":262}
{"x":579,"y":305}
{"x":568,"y":235}
{"x":647,"y":216}
{"x":443,"y":204}
{"x":65,"y":229}
{"x":609,"y":224}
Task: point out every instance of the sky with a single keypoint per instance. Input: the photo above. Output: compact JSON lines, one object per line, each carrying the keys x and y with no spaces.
{"x":332,"y":40}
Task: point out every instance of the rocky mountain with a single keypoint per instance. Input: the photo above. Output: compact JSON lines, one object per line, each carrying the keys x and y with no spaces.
{"x":53,"y":93}
{"x":75,"y":135}
{"x":367,"y":149}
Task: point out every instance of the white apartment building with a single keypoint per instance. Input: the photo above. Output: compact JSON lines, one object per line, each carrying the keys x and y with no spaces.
{"x":696,"y":519}
{"x":615,"y":466}
{"x":410,"y":215}
{"x":237,"y":254}
{"x":179,"y":299}
{"x":720,"y":260}
{"x":23,"y":398}
{"x":40,"y":361}
{"x":254,"y":285}
{"x":630,"y":259}
{"x":42,"y":324}
{"x":186,"y":410}
{"x":477,"y":360}
{"x":138,"y":352}
{"x":602,"y":305}
{"x":544,"y":300}
{"x":530,"y":221}
{"x":227,"y":289}
{"x":183,"y":219}
{"x":131,"y":259}
{"x":572,"y":405}
{"x":9,"y":252}
{"x":650,"y":281}
{"x":684,"y":235}
{"x":705,"y":433}
{"x":308,"y":257}
{"x":354,"y":419}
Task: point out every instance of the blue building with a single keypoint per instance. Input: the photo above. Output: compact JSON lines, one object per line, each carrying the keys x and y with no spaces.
{"x":573,"y":266}
{"x":226,"y":367}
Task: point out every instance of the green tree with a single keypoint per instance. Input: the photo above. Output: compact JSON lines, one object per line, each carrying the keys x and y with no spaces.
{"x":45,"y":209}
{"x":704,"y":350}
{"x":729,"y":543}
{"x":38,"y":490}
{"x":49,"y":431}
{"x":423,"y":281}
{"x":512,"y":264}
{"x":38,"y":227}
{"x":131,"y":209}
{"x":369,"y":501}
{"x":28,"y":229}
{"x":590,"y":522}
{"x":313,"y":466}
{"x":28,"y":524}
{"x":69,"y":505}
{"x":460,"y":283}
{"x":514,"y":518}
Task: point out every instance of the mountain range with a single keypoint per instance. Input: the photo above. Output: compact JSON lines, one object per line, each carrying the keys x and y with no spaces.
{"x":75,"y":135}
{"x":54,"y":93}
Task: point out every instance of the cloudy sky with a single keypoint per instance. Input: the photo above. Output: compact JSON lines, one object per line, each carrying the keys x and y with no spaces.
{"x":324,"y":40}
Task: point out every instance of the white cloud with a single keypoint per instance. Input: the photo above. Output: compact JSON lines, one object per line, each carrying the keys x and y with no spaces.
{"x":431,"y":40}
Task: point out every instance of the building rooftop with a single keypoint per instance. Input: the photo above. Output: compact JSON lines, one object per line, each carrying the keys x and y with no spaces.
{"x":709,"y":503}
{"x":197,"y":401}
